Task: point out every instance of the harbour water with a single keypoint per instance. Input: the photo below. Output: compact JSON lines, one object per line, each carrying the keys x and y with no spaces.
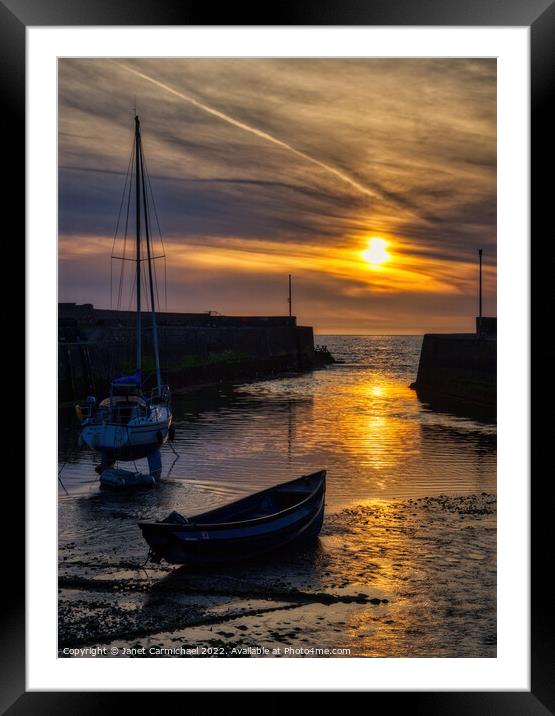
{"x":358,"y":419}
{"x":410,"y":518}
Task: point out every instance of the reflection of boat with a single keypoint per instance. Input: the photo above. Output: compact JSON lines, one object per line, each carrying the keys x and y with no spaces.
{"x":129,"y":424}
{"x":248,"y":527}
{"x":118,"y":478}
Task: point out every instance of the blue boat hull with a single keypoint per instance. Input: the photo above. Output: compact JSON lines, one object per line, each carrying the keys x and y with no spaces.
{"x":249,"y":527}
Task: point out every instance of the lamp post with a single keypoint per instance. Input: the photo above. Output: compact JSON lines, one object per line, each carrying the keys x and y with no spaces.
{"x":480,"y":299}
{"x":289,"y":299}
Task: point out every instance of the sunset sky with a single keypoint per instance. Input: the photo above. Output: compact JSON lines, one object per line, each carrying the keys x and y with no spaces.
{"x":261,"y":168}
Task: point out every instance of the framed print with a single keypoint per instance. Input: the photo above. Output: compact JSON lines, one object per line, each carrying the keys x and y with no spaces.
{"x":289,"y":449}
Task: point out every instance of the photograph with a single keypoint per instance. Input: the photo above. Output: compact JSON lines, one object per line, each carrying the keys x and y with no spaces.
{"x":277,"y":357}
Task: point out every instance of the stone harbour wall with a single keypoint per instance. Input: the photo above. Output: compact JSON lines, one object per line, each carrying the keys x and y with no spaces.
{"x":96,"y":345}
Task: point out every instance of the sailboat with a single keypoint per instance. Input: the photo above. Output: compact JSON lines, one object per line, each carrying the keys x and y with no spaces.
{"x":128,"y":424}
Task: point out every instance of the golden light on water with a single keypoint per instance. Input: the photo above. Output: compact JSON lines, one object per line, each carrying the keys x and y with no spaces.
{"x":361,"y":422}
{"x":376,"y":253}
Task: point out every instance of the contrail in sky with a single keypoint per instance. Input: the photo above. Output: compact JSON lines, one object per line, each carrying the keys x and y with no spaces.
{"x":253,"y":130}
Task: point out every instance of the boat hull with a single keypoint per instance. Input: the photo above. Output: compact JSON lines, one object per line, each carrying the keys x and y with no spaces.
{"x":126,"y":442}
{"x":206,"y":542}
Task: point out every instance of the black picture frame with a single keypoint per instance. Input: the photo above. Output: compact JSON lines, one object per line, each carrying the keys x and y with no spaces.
{"x":539,"y":16}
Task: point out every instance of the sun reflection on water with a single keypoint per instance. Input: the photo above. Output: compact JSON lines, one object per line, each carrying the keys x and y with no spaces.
{"x":360,"y":421}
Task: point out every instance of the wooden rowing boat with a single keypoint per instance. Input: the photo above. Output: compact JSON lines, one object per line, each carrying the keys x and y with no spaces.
{"x":242,"y":529}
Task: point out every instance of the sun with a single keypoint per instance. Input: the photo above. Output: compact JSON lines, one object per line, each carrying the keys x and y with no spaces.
{"x":376,"y":253}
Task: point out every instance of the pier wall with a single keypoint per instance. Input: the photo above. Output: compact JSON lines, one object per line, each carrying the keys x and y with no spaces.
{"x":95,"y":345}
{"x":459,"y":368}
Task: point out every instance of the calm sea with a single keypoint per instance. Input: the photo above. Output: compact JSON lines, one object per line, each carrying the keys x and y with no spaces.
{"x":357,"y":419}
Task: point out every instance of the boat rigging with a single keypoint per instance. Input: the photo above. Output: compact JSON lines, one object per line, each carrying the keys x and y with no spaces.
{"x":128,"y":424}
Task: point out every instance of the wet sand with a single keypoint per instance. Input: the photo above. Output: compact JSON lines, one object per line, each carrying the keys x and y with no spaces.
{"x":387,"y":578}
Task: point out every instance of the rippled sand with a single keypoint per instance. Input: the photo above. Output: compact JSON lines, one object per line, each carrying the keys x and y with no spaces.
{"x":387,"y":578}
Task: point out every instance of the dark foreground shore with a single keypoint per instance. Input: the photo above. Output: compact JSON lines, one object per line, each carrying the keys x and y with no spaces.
{"x":412,"y":578}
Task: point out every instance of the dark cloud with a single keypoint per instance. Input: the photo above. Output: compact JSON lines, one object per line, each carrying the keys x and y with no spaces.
{"x":400,"y":148}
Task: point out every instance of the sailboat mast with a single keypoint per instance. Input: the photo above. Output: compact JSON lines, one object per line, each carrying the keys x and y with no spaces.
{"x":138,"y":238}
{"x":150,"y":279}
